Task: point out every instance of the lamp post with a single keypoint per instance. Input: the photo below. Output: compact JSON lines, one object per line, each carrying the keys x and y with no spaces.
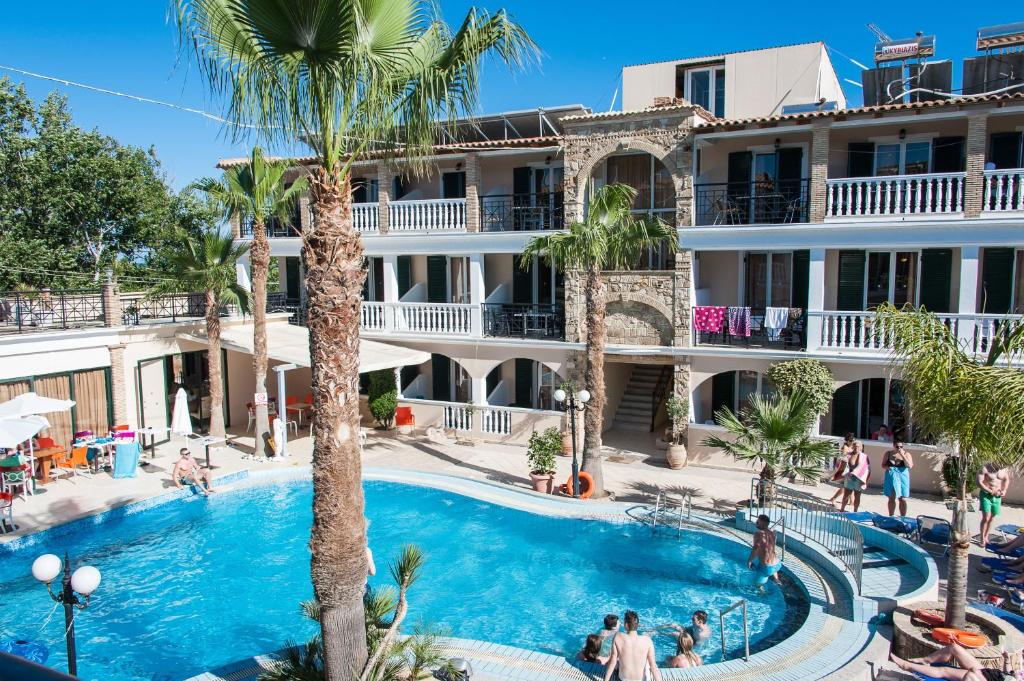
{"x":83,"y":581}
{"x":574,"y":402}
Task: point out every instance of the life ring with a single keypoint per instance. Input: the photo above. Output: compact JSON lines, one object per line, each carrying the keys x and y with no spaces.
{"x":586,"y":485}
{"x":968,"y":639}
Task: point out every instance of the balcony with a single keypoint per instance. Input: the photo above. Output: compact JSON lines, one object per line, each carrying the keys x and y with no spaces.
{"x":715,"y":330}
{"x":365,"y":217}
{"x":751,"y":203}
{"x":1004,"y":190}
{"x":927,"y":194}
{"x":430,"y":215}
{"x":860,"y":331}
{"x":521,"y":212}
{"x":543,"y":322}
{"x":441,"y":319}
{"x":275,"y":227}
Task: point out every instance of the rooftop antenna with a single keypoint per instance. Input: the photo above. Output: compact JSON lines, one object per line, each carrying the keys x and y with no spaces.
{"x":882,"y":36}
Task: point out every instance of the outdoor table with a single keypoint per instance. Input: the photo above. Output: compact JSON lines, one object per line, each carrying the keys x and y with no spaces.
{"x":104,"y":444}
{"x":152,"y":432}
{"x":206,"y":441}
{"x":43,"y":459}
{"x":300,"y":408}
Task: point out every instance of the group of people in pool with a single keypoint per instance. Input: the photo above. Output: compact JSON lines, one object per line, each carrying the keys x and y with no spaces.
{"x":633,"y":653}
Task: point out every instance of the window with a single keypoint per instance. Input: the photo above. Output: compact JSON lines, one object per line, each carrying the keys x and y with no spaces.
{"x":902,"y":158}
{"x":655,"y":193}
{"x":706,"y":88}
{"x":862,"y":407}
{"x":891,"y":278}
{"x":769,"y":278}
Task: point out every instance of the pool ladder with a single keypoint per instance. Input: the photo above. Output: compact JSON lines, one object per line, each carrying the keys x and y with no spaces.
{"x":667,"y":501}
{"x":742,"y":604}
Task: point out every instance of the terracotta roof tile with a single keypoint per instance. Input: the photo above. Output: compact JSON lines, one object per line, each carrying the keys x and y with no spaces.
{"x":668,"y":108}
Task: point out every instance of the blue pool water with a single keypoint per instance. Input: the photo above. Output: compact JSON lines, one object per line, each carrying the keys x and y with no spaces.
{"x":198,"y":584}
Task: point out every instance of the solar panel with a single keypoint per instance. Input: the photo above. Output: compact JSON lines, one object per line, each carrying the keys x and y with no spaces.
{"x":808,"y":108}
{"x":1004,"y":35}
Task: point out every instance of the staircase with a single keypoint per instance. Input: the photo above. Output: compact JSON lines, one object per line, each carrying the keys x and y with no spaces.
{"x":644,"y":392}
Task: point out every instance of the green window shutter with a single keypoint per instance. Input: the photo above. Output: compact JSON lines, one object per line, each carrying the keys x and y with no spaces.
{"x":936,"y":278}
{"x":521,"y":180}
{"x":740,"y":167}
{"x":997,"y":280}
{"x":404,"y":274}
{"x":441,"y":366}
{"x":407,"y":375}
{"x":801,"y":279}
{"x":522,"y":283}
{"x":291,"y":277}
{"x":860,"y":159}
{"x":524,"y":382}
{"x":493,"y":379}
{"x":844,"y":409}
{"x":367,"y":263}
{"x":437,"y":279}
{"x":723,"y":391}
{"x":851,"y":280}
{"x":789,"y":164}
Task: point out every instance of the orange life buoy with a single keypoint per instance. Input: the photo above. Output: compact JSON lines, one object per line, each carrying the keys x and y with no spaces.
{"x":968,"y":639}
{"x":586,"y":485}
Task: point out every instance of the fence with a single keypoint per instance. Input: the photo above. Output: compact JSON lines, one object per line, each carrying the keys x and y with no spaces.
{"x":140,"y":308}
{"x":812,"y":518}
{"x":43,"y":309}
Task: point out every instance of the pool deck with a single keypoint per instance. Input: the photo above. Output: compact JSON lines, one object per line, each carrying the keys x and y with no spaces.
{"x":633,"y":476}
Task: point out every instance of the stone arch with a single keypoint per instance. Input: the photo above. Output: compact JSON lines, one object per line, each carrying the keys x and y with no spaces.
{"x":638,"y":319}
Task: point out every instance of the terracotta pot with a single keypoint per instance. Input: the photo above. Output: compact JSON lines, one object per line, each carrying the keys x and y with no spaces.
{"x":566,"y":444}
{"x":543,"y":482}
{"x":676,"y":456}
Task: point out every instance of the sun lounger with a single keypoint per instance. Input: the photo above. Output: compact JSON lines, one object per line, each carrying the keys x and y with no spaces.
{"x":932,"y":530}
{"x":897,"y":525}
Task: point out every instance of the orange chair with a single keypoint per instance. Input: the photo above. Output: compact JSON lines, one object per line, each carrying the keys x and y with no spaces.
{"x":290,"y":400}
{"x":309,"y":399}
{"x":119,"y":428}
{"x":404,"y":417}
{"x":71,"y":462}
{"x":46,"y":443}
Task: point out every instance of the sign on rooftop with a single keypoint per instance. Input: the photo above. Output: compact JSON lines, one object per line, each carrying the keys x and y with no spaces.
{"x":901,"y":50}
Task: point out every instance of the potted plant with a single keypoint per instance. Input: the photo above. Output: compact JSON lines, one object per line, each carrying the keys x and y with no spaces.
{"x":678,"y":410}
{"x":540,"y":453}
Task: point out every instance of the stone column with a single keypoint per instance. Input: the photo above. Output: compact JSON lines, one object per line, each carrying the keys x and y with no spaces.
{"x":681,"y":390}
{"x":112,"y":314}
{"x":390,"y":278}
{"x":974,"y":183}
{"x":681,"y":285}
{"x":384,"y":177}
{"x":472,"y":192}
{"x":815,"y":297}
{"x":574,"y":307}
{"x":118,"y":383}
{"x":819,"y":171}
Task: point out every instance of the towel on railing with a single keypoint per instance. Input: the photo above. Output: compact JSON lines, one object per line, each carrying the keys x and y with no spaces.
{"x":708,"y":318}
{"x":775,"y":320}
{"x":127,"y":460}
{"x":739,"y":321}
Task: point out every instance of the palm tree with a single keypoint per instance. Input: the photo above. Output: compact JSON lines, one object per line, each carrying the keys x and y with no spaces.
{"x":256,"y":192}
{"x":973,"y":404}
{"x":349,"y":78}
{"x":773,"y":433}
{"x":208,"y":263}
{"x":610,"y":237}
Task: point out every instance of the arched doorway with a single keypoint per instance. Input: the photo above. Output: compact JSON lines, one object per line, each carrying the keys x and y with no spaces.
{"x":522,"y":382}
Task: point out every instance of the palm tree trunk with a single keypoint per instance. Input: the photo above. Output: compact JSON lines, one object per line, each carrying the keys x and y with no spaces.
{"x":593,"y":377}
{"x":956,"y":580}
{"x":216,"y":370}
{"x":334,"y":281}
{"x":259,"y":254}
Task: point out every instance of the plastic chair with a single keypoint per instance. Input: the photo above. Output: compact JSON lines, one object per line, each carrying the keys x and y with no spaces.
{"x":119,"y":428}
{"x":78,"y":436}
{"x":309,"y":399}
{"x":77,"y":458}
{"x":124,"y":436}
{"x":289,"y":424}
{"x":251,"y":408}
{"x":11,"y":480}
{"x":46,"y":443}
{"x":935,"y":531}
{"x":290,"y":400}
{"x":404,"y":417}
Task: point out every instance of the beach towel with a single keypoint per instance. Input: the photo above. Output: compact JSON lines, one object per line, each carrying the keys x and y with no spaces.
{"x":127,"y":460}
{"x":739,"y":321}
{"x":708,"y":318}
{"x":863,"y":468}
{"x":775,"y":320}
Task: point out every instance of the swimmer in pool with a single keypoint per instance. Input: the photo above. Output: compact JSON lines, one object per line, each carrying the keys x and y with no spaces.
{"x":763,"y":552}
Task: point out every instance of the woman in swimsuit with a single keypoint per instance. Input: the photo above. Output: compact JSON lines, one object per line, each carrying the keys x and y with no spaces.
{"x":839,"y":465}
{"x":897,"y":464}
{"x":592,"y":650}
{"x":684,"y":657}
{"x":858,"y":472}
{"x":969,"y":668}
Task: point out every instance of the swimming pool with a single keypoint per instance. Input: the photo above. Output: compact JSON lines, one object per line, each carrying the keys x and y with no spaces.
{"x":192,"y":585}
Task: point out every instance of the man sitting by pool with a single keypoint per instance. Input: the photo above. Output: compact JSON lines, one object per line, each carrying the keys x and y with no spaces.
{"x":764,"y":552}
{"x":632,"y":653}
{"x":187,"y":472}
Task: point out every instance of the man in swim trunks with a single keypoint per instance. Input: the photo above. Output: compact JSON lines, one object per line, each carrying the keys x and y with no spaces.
{"x":187,"y":472}
{"x":764,"y":552}
{"x":633,"y":654}
{"x":993,"y":481}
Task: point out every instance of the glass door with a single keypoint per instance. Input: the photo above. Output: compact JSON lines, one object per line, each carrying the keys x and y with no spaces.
{"x":769,"y":280}
{"x":891,"y":278}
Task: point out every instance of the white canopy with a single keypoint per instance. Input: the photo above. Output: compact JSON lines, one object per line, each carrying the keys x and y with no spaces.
{"x":181,"y":420}
{"x":28,"y":404}
{"x":15,"y":430}
{"x":289,"y":343}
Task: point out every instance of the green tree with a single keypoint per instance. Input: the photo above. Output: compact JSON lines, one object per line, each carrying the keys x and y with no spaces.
{"x":382,"y":396}
{"x":208,"y":264}
{"x":773,"y":433}
{"x":350,"y":78}
{"x":256,"y":192}
{"x":610,"y":237}
{"x":808,"y":376}
{"x":971,"y":403}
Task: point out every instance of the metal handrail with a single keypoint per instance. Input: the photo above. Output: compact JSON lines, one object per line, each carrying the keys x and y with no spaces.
{"x":661,"y":503}
{"x":781,"y":521}
{"x":742,"y":603}
{"x":659,"y":389}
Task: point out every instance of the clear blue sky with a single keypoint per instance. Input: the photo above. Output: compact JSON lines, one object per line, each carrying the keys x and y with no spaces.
{"x":129,"y":46}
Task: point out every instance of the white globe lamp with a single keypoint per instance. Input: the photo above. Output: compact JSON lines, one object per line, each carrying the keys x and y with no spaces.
{"x":584,"y":396}
{"x":85,"y":580}
{"x":559,"y":395}
{"x":46,"y":567}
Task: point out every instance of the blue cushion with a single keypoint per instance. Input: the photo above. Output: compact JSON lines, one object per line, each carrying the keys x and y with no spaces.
{"x":897,"y":525}
{"x":859,"y":516}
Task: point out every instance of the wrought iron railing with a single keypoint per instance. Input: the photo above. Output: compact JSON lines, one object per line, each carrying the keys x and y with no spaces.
{"x":792,"y":336}
{"x":275,"y":227}
{"x":521,"y":212}
{"x":750,"y":203}
{"x":43,"y":309}
{"x":140,"y":308}
{"x":512,"y":320}
{"x":813,"y":519}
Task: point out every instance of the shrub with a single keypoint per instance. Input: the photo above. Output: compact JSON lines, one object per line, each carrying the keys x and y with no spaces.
{"x":542,"y":449}
{"x":953,"y":474}
{"x":678,"y":411}
{"x":383,"y":396}
{"x":808,"y":376}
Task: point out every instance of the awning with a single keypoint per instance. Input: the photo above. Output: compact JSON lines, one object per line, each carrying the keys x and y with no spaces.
{"x":288,"y":343}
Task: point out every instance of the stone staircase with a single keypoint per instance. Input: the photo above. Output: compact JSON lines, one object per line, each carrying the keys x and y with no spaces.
{"x":634,"y":412}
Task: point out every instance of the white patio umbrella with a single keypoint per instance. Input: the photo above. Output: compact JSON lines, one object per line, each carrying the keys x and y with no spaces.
{"x":181,"y":421}
{"x":15,"y":430}
{"x":28,"y":404}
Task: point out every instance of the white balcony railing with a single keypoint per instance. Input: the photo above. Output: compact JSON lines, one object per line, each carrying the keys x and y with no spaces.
{"x":841,"y":330}
{"x":926,"y":194}
{"x":495,"y":420}
{"x":364,"y":216}
{"x":492,"y":420}
{"x":506,"y":424}
{"x":458,"y":417}
{"x":453,"y":319}
{"x":428,"y":215}
{"x":1004,"y":190}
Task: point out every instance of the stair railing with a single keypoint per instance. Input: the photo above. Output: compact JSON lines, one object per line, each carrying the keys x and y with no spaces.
{"x":659,"y":392}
